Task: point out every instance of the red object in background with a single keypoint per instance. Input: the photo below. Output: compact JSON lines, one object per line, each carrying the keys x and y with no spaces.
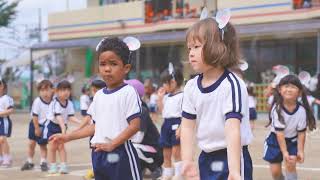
{"x":297,"y":4}
{"x":148,"y":12}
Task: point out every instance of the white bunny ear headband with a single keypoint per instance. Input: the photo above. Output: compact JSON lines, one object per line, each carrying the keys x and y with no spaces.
{"x":132,"y":43}
{"x":222,"y":18}
{"x":171,"y":70}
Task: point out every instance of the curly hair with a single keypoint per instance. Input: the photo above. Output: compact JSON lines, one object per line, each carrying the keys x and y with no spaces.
{"x":115,"y":45}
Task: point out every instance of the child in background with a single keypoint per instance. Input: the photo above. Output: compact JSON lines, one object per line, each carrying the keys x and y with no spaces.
{"x":6,"y":108}
{"x":37,"y":130}
{"x":252,"y":106}
{"x":147,"y":146}
{"x":170,"y":106}
{"x":215,"y":106}
{"x":113,"y":155}
{"x":84,"y":101}
{"x":289,"y":120}
{"x":61,"y":111}
{"x":96,"y":85}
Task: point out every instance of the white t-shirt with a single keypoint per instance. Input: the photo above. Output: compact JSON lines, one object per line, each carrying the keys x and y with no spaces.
{"x":212,"y":106}
{"x":56,"y":108}
{"x":270,"y":99}
{"x":294,"y":121}
{"x":172,"y":105}
{"x":252,"y":102}
{"x":311,"y":100}
{"x":153,"y":99}
{"x":112,"y":110}
{"x":6,"y":102}
{"x":84,"y":102}
{"x":40,"y":108}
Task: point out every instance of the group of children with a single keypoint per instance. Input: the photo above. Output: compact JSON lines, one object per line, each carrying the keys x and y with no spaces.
{"x":213,"y":107}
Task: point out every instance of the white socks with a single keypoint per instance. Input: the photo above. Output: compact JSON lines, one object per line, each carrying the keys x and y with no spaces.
{"x":29,"y":160}
{"x":178,"y":168}
{"x":168,"y":172}
{"x":43,"y":160}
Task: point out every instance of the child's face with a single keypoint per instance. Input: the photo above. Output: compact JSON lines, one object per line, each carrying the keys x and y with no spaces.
{"x":63,"y":94}
{"x":170,"y":86}
{"x":195,"y":56}
{"x":289,"y":92}
{"x":112,"y":69}
{"x":46,"y":93}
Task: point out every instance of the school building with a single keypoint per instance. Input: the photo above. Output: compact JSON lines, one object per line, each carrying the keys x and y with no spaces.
{"x":271,"y":32}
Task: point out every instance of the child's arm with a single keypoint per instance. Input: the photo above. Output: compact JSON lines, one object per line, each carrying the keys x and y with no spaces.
{"x":317,"y":101}
{"x":81,"y":133}
{"x":133,"y":128}
{"x":232,"y":133}
{"x":84,"y":122}
{"x":61,"y":124}
{"x":35,"y":122}
{"x":190,"y":168}
{"x":282,"y":143}
{"x":74,"y":119}
{"x":161,"y":93}
{"x":301,"y":143}
{"x":6,"y":112}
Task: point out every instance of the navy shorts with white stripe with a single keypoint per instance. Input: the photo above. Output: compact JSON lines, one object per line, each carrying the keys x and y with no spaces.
{"x":122,"y":163}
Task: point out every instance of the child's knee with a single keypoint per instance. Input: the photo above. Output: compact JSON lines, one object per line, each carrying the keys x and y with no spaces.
{"x":2,"y":139}
{"x":176,"y":152}
{"x":32,"y":143}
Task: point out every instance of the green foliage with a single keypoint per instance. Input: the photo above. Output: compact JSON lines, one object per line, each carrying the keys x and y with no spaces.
{"x":7,"y":12}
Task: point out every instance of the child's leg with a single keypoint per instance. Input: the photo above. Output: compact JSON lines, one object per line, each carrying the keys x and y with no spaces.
{"x":62,"y":153}
{"x":291,"y":170}
{"x":168,"y":171}
{"x":43,"y":152}
{"x":31,"y":150}
{"x":176,"y":152}
{"x":6,"y":151}
{"x":52,"y":152}
{"x":276,"y":171}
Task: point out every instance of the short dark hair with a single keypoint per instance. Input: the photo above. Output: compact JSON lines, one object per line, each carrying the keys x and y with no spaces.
{"x":99,"y":84}
{"x":44,"y":84}
{"x":165,"y":76}
{"x":117,"y":46}
{"x":64,"y":85}
{"x":4,"y":85}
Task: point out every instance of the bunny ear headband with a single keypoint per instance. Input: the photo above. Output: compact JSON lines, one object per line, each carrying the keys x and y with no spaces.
{"x":222,"y":18}
{"x":132,"y":43}
{"x":171,"y":70}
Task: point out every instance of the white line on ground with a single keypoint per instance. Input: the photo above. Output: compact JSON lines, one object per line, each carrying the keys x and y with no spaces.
{"x":37,"y":168}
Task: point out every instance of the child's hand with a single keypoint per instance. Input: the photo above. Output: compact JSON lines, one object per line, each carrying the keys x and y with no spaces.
{"x":234,"y":176}
{"x":300,"y":157}
{"x":37,"y":131}
{"x":58,"y":138}
{"x":178,"y":133}
{"x":108,"y":147}
{"x":161,"y":92}
{"x":289,"y":159}
{"x":190,"y":170}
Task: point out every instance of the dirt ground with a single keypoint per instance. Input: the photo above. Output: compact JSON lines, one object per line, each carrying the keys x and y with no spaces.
{"x":79,"y":155}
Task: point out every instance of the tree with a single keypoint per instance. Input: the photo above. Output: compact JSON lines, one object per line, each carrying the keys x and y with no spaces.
{"x":7,"y":12}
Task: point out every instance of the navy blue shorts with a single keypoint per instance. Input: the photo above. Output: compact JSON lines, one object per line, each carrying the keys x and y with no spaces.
{"x":252,"y":113}
{"x":84,"y":112}
{"x":272,"y":152}
{"x":5,"y":126}
{"x":42,"y":140}
{"x":53,"y":128}
{"x":122,"y":163}
{"x":214,"y":165}
{"x":168,"y":132}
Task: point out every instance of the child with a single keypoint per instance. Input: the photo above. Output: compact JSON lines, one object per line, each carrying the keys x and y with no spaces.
{"x":215,"y":104}
{"x":60,"y":112}
{"x":252,"y":106}
{"x":289,"y":120}
{"x":147,"y":146}
{"x":37,"y":131}
{"x":113,"y":155}
{"x":96,"y":85}
{"x":170,"y":105}
{"x":84,"y":101}
{"x":6,"y":108}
